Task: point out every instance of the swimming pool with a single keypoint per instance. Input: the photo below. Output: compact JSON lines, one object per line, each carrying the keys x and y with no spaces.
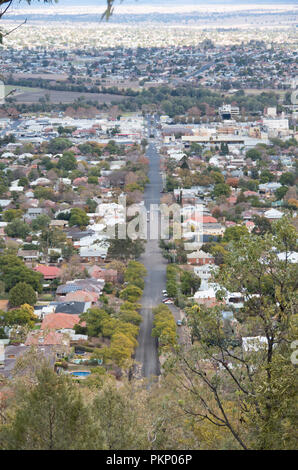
{"x":80,"y":373}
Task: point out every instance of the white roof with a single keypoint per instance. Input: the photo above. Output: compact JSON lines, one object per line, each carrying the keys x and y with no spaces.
{"x":273,"y":214}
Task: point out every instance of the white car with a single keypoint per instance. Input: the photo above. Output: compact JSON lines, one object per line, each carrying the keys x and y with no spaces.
{"x":168,"y":301}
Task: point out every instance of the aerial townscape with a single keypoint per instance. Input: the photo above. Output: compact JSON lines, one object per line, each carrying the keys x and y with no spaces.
{"x":148,"y":225}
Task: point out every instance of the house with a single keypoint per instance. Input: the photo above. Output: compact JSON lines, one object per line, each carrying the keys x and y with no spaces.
{"x":72,"y":308}
{"x":13,"y":353}
{"x":49,"y":272}
{"x":204,"y":272}
{"x":109,"y":275}
{"x":273,"y":214}
{"x":60,"y":342}
{"x":82,"y":297}
{"x":93,"y":253}
{"x":29,"y":255}
{"x":59,"y":224}
{"x":34,"y":212}
{"x":199,"y":258}
{"x":60,"y":321}
{"x":87,"y":285}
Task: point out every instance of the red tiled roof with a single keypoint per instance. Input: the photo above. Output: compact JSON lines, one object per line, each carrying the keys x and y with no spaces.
{"x":48,"y":270}
{"x":58,"y":321}
{"x":207,"y":219}
{"x":81,"y":296}
{"x":47,"y":338}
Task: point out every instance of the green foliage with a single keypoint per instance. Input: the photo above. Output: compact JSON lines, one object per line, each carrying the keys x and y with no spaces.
{"x":22,"y":293}
{"x":13,"y":270}
{"x":126,"y":249}
{"x":132,"y":293}
{"x":235,"y":233}
{"x":221,"y":189}
{"x":287,"y":179}
{"x":44,"y":193}
{"x":78,"y":217}
{"x":59,"y":145}
{"x":164,"y":327}
{"x":281,"y":192}
{"x":254,"y":154}
{"x":49,"y":415}
{"x":23,"y":316}
{"x":67,"y":161}
{"x":134,"y":274}
{"x":11,"y":214}
{"x":249,"y":392}
{"x":190,"y":283}
{"x":41,"y":222}
{"x":17,"y":229}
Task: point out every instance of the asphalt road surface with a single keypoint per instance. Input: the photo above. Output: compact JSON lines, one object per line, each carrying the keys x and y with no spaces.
{"x":155,"y":282}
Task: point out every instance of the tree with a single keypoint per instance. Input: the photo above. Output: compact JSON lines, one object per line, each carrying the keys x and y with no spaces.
{"x":135,"y":274}
{"x":22,"y":293}
{"x":116,"y":409}
{"x":254,"y":154}
{"x":50,"y":415}
{"x":250,"y":391}
{"x":262,"y":225}
{"x":13,"y":270}
{"x":94,"y":318}
{"x":164,"y":327}
{"x":11,"y":214}
{"x":23,"y":316}
{"x":121,"y":349}
{"x":287,"y":179}
{"x":58,"y":145}
{"x":130,"y":316}
{"x":234,"y":233}
{"x":221,"y":189}
{"x":190,"y":283}
{"x":281,"y":192}
{"x":67,"y":161}
{"x":45,"y":193}
{"x":78,"y":217}
{"x":17,"y":229}
{"x":41,"y":222}
{"x":131,"y":293}
{"x":126,"y":249}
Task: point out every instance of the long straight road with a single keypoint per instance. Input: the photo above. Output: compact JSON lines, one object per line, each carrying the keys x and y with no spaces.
{"x":155,"y":282}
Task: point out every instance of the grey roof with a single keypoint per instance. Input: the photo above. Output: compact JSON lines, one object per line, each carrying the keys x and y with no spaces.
{"x":66,"y":288}
{"x":70,"y":307}
{"x":12,"y":353}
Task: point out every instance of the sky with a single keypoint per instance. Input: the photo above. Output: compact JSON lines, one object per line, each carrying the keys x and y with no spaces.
{"x":161,"y":2}
{"x":83,"y":7}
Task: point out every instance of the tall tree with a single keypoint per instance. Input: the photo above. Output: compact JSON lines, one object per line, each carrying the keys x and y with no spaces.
{"x":238,"y":374}
{"x":49,"y":415}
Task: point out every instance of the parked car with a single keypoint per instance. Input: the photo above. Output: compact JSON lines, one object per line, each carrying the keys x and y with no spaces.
{"x":179,"y":322}
{"x":168,"y":301}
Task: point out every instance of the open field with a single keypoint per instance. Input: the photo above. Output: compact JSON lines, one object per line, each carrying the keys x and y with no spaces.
{"x":28,"y":95}
{"x":20,"y":89}
{"x":42,"y":76}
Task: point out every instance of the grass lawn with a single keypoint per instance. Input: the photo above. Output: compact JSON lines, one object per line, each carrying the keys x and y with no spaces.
{"x":20,"y":89}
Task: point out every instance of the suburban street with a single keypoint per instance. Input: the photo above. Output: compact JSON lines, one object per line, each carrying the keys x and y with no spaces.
{"x":155,"y":282}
